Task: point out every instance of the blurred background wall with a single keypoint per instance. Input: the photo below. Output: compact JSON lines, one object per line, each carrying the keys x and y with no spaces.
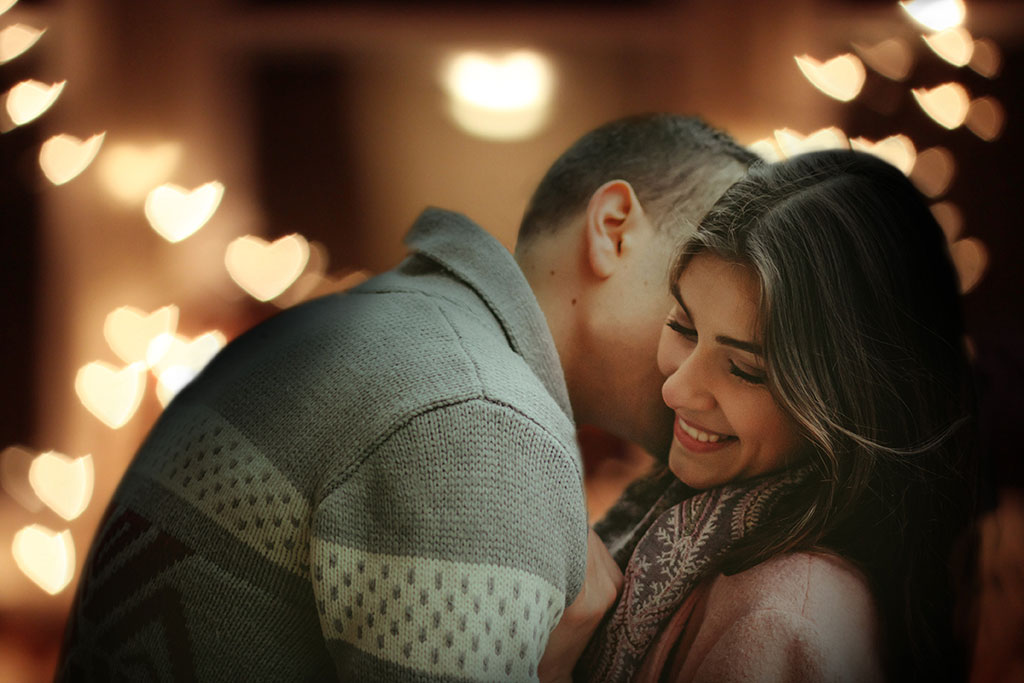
{"x":338,"y":121}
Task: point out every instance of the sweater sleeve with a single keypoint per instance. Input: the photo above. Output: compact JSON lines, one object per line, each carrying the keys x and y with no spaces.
{"x":452,"y":550}
{"x":770,"y":646}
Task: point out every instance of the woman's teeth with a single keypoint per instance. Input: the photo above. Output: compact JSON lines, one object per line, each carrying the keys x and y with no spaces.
{"x":699,"y":435}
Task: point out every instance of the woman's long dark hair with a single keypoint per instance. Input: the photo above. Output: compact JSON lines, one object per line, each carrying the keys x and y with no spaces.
{"x":859,"y":317}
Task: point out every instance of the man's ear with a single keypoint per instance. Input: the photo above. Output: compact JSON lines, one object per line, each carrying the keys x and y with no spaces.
{"x":613,"y":217}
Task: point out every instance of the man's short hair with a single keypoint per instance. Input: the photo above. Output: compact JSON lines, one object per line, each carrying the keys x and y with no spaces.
{"x":678,"y":167}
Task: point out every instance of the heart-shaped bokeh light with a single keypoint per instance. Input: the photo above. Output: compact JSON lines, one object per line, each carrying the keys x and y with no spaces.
{"x":29,"y":99}
{"x":892,"y":57}
{"x":177,"y":360}
{"x":111,"y":394}
{"x":63,"y":157}
{"x":986,"y":58}
{"x":312,"y":276}
{"x":129,"y":331}
{"x":63,"y":483}
{"x":169,"y":350}
{"x":767,"y":149}
{"x":949,"y":219}
{"x":933,"y":171}
{"x":16,"y":39}
{"x":946,"y":104}
{"x":985,"y":118}
{"x":175,"y":213}
{"x":46,"y":557}
{"x":955,"y":45}
{"x":938,"y":15}
{"x":6,"y":5}
{"x":898,"y":150}
{"x":15,"y":463}
{"x":266,"y":269}
{"x":970,"y":258}
{"x":841,"y":77}
{"x":130,"y":171}
{"x":792,"y":143}
{"x":499,"y":97}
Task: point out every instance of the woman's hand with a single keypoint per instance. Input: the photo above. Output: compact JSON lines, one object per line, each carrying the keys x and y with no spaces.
{"x":600,"y":588}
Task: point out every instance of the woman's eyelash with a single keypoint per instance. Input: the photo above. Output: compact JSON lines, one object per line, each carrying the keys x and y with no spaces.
{"x":745,"y":376}
{"x":687,"y":332}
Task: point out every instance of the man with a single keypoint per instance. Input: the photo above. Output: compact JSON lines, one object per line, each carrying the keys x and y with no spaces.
{"x":385,"y":485}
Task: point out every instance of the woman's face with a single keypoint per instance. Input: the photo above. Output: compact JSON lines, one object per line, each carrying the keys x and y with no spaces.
{"x":728,"y":426}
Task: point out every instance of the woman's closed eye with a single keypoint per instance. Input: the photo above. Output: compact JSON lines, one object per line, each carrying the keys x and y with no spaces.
{"x":748,"y":377}
{"x":687,"y":332}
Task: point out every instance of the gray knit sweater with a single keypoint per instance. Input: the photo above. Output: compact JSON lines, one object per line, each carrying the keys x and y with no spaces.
{"x":379,"y":486}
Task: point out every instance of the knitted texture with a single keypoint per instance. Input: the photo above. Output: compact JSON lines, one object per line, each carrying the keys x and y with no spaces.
{"x":675,"y":553}
{"x":377,"y":486}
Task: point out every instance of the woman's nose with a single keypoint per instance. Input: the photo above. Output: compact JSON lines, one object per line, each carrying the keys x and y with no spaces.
{"x":687,"y":387}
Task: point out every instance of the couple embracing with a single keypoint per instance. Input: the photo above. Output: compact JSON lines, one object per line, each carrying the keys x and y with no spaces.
{"x":385,"y":484}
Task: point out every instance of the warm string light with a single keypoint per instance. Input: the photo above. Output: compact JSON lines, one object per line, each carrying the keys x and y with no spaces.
{"x":898,"y":150}
{"x":6,"y":5}
{"x":129,"y":171}
{"x":64,"y":484}
{"x":946,"y":104}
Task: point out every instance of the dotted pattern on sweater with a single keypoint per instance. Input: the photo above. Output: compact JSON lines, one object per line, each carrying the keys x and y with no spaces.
{"x":213,"y":467}
{"x":446,"y":618}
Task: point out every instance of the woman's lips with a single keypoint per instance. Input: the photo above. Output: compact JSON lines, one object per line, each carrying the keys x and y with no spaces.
{"x":690,"y":435}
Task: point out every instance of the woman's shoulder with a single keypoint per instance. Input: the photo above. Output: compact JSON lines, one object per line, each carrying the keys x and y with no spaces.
{"x":816,"y":585}
{"x":800,"y":616}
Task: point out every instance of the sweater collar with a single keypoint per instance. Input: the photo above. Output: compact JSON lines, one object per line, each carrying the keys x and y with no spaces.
{"x":478,"y":259}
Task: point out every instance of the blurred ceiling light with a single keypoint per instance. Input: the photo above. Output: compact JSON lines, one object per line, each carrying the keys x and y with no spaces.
{"x":29,"y":99}
{"x":955,"y":45}
{"x":841,"y":77}
{"x":168,"y":350}
{"x":129,"y":331}
{"x":986,"y":58}
{"x":111,"y":394}
{"x":504,"y":97}
{"x":985,"y":118}
{"x":938,"y":15}
{"x":933,"y":171}
{"x":971,"y":259}
{"x":6,"y":5}
{"x":265,"y":269}
{"x":949,"y":218}
{"x":767,"y":149}
{"x":898,"y":150}
{"x":129,"y":172}
{"x":175,"y":212}
{"x":44,"y":556}
{"x":17,"y":38}
{"x":63,"y":483}
{"x":15,"y":463}
{"x":63,"y":157}
{"x":946,"y":104}
{"x":792,"y":143}
{"x":892,"y":57}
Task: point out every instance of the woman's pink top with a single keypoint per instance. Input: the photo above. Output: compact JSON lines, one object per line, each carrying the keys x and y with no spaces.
{"x":798,"y":617}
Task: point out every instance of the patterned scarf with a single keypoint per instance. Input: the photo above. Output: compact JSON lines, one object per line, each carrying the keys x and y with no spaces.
{"x":677,"y":545}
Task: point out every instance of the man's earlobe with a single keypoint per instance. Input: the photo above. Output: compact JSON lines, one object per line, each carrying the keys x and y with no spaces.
{"x":612,"y":214}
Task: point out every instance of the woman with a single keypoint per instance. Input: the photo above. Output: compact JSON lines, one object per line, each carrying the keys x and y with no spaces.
{"x":816,"y":365}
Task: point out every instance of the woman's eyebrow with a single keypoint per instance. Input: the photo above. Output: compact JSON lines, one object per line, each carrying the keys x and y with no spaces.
{"x":750,"y":347}
{"x":739,"y":344}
